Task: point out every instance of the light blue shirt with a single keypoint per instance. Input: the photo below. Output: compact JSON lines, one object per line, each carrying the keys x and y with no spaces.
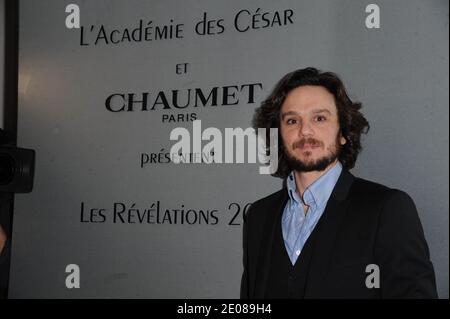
{"x":297,"y":226}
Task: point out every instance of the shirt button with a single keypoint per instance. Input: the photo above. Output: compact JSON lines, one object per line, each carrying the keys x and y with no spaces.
{"x":297,"y":252}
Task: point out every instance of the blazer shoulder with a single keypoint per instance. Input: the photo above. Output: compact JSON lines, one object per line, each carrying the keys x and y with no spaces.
{"x":375,"y":194}
{"x":271,"y":199}
{"x":265,"y":205}
{"x":364,"y":186}
{"x":370,"y":191}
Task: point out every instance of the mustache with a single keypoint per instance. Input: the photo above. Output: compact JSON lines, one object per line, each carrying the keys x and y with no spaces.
{"x":301,"y":143}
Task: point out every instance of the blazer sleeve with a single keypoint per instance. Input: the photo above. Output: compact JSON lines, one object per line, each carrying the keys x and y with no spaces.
{"x":401,"y":251}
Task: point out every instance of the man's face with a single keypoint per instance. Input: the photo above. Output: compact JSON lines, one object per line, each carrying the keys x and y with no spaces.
{"x":310,"y":129}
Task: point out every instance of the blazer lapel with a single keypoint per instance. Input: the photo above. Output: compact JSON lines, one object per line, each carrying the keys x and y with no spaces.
{"x":326,"y":232}
{"x":265,"y":249}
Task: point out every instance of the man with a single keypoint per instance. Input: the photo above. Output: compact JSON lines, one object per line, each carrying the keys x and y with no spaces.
{"x":328,"y":234}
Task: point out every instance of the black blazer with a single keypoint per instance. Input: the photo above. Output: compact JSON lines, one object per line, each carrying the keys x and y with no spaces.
{"x":363,"y":223}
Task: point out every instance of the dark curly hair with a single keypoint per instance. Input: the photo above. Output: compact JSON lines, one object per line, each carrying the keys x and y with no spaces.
{"x":351,"y":121}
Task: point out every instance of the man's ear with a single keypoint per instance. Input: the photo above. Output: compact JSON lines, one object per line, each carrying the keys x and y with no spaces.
{"x":343,"y":140}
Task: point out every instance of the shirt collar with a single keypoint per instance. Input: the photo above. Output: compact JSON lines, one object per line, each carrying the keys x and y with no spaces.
{"x":318,"y":193}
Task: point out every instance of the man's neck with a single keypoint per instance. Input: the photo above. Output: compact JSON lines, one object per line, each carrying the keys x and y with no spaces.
{"x":304,"y":179}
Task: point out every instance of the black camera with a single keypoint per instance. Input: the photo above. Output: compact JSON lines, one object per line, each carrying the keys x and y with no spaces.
{"x":16,"y":166}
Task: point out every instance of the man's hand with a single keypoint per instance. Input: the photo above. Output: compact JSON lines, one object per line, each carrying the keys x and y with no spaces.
{"x":2,"y":239}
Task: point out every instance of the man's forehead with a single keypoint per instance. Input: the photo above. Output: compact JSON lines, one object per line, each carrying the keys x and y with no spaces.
{"x":309,"y":98}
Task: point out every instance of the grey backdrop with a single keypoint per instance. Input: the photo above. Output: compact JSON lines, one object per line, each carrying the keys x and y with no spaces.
{"x":87,"y":154}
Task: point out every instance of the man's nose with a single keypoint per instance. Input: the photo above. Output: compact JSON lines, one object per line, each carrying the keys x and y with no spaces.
{"x":305,"y":129}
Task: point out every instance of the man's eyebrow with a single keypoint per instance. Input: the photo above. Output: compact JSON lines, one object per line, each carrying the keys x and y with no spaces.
{"x":283,"y":115}
{"x":321,"y":111}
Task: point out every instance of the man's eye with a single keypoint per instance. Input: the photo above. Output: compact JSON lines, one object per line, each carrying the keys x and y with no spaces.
{"x":320,"y":118}
{"x":291,"y":121}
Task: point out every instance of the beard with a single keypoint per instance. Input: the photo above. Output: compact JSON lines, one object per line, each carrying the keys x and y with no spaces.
{"x":311,"y":165}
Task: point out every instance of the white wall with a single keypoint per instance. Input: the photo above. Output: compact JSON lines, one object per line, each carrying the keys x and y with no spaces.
{"x":87,"y":155}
